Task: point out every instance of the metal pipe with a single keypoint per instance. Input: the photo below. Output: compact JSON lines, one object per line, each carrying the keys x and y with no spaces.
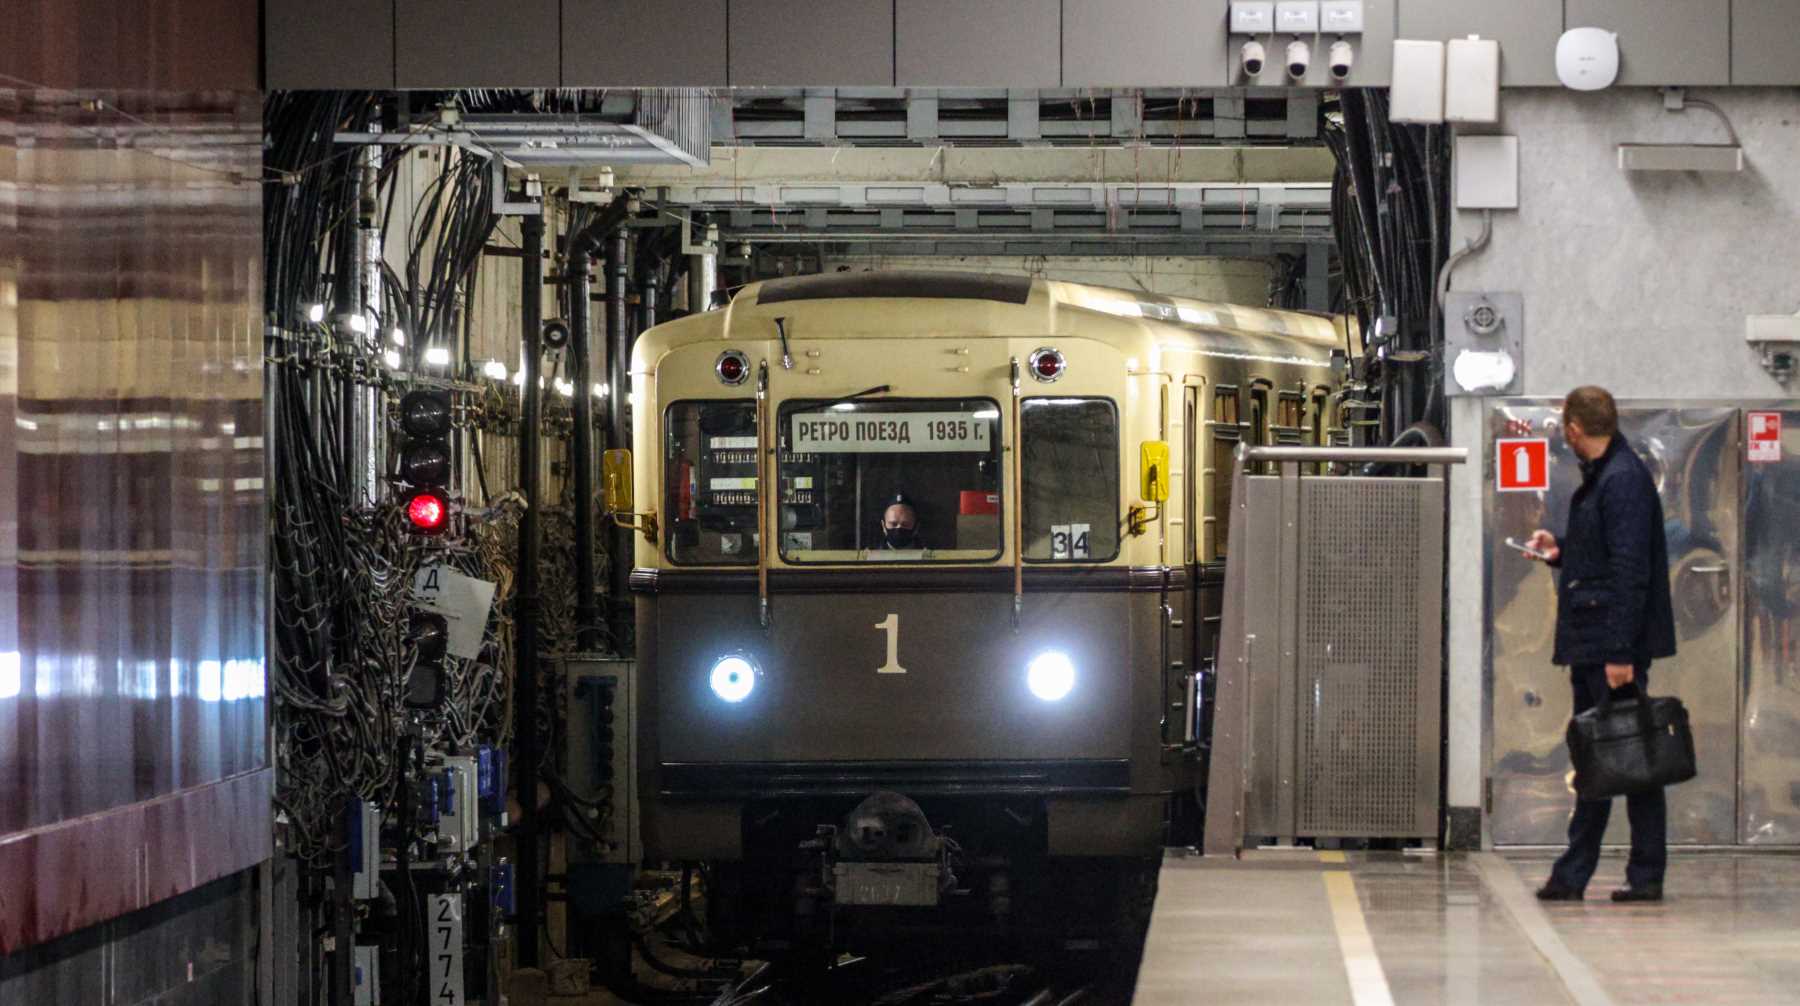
{"x":526,"y":708}
{"x":647,"y":312}
{"x":587,"y":612}
{"x":618,"y":409}
{"x":1391,"y":455}
{"x":703,"y":275}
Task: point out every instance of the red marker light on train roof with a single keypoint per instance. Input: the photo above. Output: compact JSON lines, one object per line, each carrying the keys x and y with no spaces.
{"x":732,"y":367}
{"x":428,"y":512}
{"x":1047,"y":364}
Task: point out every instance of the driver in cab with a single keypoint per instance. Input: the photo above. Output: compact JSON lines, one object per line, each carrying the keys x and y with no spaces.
{"x":900,"y":527}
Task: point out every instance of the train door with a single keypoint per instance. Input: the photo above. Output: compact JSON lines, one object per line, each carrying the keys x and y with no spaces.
{"x":1769,"y":780}
{"x":1693,"y":455}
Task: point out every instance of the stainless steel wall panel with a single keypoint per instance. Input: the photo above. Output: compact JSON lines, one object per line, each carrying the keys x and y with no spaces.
{"x":475,"y":43}
{"x":1769,"y":790}
{"x":1663,"y":42}
{"x":131,"y":503}
{"x":1692,"y":453}
{"x":993,"y":43}
{"x":612,"y":43}
{"x":1762,"y":42}
{"x":846,"y":43}
{"x":324,"y":44}
{"x":1527,"y":30}
{"x":1143,"y":43}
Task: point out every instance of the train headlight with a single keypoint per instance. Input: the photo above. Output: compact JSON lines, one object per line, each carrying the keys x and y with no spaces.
{"x":733,"y":678}
{"x":1050,"y":675}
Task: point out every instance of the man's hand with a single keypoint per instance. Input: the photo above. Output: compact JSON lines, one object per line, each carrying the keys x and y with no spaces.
{"x":1545,"y":542}
{"x":1619,"y":675}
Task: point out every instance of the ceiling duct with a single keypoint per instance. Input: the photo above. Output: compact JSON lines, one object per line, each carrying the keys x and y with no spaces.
{"x":662,"y":126}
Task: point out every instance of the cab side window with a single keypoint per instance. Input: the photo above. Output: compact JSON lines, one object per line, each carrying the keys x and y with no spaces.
{"x":1070,"y":468}
{"x":709,"y":491}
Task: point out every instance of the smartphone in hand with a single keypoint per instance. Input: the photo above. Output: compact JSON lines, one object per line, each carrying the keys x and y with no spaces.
{"x":1518,"y":546}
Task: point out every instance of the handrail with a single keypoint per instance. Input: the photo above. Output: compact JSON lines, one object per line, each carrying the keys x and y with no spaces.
{"x":1389,"y":455}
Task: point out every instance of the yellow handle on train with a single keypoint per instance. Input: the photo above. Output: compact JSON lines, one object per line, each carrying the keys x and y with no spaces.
{"x":1153,"y":465}
{"x":615,"y":468}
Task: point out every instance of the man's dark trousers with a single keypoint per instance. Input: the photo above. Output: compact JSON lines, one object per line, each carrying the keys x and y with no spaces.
{"x":1648,"y":812}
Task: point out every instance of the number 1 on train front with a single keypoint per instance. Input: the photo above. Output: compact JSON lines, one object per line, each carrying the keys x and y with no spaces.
{"x":891,"y":625}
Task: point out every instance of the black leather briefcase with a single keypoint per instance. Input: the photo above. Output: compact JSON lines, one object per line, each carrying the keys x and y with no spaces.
{"x":1631,"y":746}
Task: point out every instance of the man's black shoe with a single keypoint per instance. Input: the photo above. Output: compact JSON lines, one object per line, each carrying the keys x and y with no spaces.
{"x":1553,"y":891}
{"x":1648,"y":892}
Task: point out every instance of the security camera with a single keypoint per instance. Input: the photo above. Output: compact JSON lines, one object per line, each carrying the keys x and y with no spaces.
{"x":1253,"y":58}
{"x":1342,"y":58}
{"x":1299,"y":56}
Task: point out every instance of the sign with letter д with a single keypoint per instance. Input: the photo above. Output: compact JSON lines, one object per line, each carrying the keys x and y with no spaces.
{"x":1521,"y":466}
{"x":1764,"y":442}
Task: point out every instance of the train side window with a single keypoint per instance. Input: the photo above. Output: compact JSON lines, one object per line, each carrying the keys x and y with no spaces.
{"x":1259,"y":415}
{"x":709,"y":475}
{"x":1289,"y":427}
{"x":1070,"y":468}
{"x":1226,"y":434}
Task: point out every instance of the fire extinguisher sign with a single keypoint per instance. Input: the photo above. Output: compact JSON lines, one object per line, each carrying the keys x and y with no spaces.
{"x":1521,"y":466}
{"x":1764,"y":443}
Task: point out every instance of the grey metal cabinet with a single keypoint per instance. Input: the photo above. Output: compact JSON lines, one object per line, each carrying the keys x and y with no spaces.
{"x":611,"y":43}
{"x":1143,"y":43}
{"x":477,"y":43}
{"x":1526,"y":29}
{"x":978,"y":43}
{"x":844,"y":43}
{"x":1663,"y":41}
{"x":1762,"y":41}
{"x":325,"y":44}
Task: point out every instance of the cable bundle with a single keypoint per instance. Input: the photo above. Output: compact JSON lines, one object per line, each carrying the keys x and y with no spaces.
{"x":1389,"y":202}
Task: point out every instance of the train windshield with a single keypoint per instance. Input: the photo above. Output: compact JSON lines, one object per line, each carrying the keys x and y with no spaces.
{"x":913,"y":480}
{"x":1071,"y":474}
{"x":709,"y":464}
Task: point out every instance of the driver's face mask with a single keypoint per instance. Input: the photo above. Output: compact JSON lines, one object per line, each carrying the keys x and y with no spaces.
{"x":900,"y":537}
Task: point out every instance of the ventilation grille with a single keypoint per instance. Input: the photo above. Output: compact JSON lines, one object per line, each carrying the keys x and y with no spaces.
{"x":1359,"y":660}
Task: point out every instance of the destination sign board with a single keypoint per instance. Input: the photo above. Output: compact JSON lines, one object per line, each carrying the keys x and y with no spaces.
{"x":890,"y":432}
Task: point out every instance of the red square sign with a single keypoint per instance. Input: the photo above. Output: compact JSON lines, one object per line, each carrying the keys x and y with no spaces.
{"x":1521,"y":466}
{"x":1764,"y":442}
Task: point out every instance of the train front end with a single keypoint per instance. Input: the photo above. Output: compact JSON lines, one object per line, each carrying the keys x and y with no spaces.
{"x":930,"y":669}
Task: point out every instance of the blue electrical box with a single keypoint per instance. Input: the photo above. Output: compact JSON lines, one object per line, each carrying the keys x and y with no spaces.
{"x":500,"y":879}
{"x":490,"y":785}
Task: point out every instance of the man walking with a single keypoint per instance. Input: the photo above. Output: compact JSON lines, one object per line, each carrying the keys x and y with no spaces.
{"x":1613,"y":617}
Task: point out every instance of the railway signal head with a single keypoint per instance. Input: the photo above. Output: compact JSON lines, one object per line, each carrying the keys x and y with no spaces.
{"x":425,"y":458}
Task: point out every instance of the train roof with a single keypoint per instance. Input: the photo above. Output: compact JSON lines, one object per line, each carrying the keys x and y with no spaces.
{"x":992,"y":304}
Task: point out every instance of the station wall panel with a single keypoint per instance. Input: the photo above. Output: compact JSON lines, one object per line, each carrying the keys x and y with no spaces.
{"x":325,"y":44}
{"x":844,"y":43}
{"x":1527,"y":31}
{"x":1664,"y":42}
{"x":1763,"y":36}
{"x":610,"y":43}
{"x":995,"y":43}
{"x":1143,"y":43}
{"x":477,"y":43}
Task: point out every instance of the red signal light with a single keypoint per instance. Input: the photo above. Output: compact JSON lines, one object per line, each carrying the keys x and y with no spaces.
{"x":428,"y":512}
{"x":1047,"y":364}
{"x":732,"y":367}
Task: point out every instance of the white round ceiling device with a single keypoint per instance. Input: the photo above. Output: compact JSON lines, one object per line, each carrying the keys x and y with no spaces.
{"x":1587,"y":59}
